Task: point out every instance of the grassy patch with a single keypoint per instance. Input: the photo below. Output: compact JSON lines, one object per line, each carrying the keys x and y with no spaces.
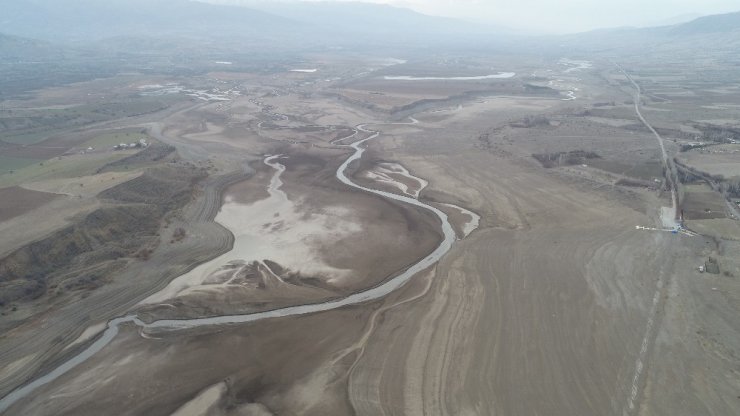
{"x":65,"y":167}
{"x":111,"y":139}
{"x":32,"y":126}
{"x":724,"y":228}
{"x":32,"y":137}
{"x":701,"y":202}
{"x":150,"y":156}
{"x":8,"y":164}
{"x":644,"y":170}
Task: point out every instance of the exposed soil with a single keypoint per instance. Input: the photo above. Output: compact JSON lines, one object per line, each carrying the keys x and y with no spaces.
{"x":569,"y":299}
{"x":17,"y":201}
{"x":80,"y":256}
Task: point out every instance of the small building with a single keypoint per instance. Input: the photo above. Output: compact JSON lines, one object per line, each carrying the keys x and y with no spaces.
{"x":711,"y":266}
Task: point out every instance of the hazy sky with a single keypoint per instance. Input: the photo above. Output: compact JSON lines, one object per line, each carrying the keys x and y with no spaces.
{"x":568,"y":15}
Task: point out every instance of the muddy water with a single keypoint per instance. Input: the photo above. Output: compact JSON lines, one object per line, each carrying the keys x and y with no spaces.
{"x":360,"y":297}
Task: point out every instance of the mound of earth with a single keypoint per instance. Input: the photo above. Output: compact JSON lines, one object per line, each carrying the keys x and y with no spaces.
{"x":79,"y":256}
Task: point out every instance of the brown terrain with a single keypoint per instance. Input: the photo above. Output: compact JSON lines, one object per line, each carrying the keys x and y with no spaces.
{"x":17,"y":200}
{"x":570,"y":297}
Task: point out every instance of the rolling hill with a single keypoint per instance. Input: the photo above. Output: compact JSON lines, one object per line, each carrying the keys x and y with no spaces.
{"x":333,"y":22}
{"x":720,"y":23}
{"x":85,"y":20}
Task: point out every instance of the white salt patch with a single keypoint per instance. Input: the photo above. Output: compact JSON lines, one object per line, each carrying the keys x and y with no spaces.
{"x":202,"y":403}
{"x":575,"y":65}
{"x":384,"y":173}
{"x":88,"y":333}
{"x":271,"y":229}
{"x":150,"y":86}
{"x":471,"y":225}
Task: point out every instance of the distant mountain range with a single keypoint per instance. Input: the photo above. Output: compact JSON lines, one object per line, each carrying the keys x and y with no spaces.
{"x":14,"y":48}
{"x":54,"y":41}
{"x":720,"y":23}
{"x":715,"y":33}
{"x":274,"y":22}
{"x":675,"y":20}
{"x":85,"y":20}
{"x":359,"y":17}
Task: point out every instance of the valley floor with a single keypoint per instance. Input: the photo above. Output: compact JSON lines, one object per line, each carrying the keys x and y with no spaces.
{"x":549,"y":301}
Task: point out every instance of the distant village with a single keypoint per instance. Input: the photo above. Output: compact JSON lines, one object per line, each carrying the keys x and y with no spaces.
{"x":134,"y":145}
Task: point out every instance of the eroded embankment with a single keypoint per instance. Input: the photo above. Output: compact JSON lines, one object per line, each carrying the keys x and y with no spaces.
{"x":80,"y":256}
{"x":129,"y":284}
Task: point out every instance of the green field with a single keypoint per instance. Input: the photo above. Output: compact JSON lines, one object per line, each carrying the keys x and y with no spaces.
{"x":111,"y":139}
{"x":25,"y":138}
{"x":34,"y":126}
{"x":65,"y":167}
{"x":8,"y":164}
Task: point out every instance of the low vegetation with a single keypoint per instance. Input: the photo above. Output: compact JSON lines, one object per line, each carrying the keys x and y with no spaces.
{"x":152,"y":154}
{"x":28,"y":126}
{"x":573,"y":157}
{"x":531,"y":121}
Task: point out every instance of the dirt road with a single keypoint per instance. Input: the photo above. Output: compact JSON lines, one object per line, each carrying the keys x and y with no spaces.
{"x":667,"y":162}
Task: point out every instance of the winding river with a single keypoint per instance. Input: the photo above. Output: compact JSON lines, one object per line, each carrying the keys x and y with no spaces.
{"x":174,"y":324}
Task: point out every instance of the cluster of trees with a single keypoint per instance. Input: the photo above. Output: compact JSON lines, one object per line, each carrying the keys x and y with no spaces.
{"x":732,"y":188}
{"x":531,"y":121}
{"x":718,"y":134}
{"x":728,"y":187}
{"x":687,"y":147}
{"x":573,"y":157}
